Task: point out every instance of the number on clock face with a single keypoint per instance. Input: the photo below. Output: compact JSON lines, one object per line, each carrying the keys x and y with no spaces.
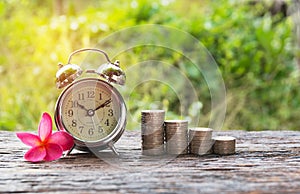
{"x":90,"y":111}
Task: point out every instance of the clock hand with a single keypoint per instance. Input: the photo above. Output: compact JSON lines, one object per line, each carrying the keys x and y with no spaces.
{"x":94,"y":124}
{"x":104,"y":104}
{"x":81,"y":106}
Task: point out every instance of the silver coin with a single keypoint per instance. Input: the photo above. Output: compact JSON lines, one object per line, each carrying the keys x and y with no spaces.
{"x":194,"y":149}
{"x":224,"y":145}
{"x":153,"y":117}
{"x":157,"y":119}
{"x":154,"y":147}
{"x":147,"y":130}
{"x":200,"y":134}
{"x":149,"y":145}
{"x":147,"y":126}
{"x":200,"y":145}
{"x":176,"y":136}
{"x":170,"y":135}
{"x":153,"y":152}
{"x":152,"y":124}
{"x":224,"y":152}
{"x":202,"y":149}
{"x":152,"y":129}
{"x":194,"y":139}
{"x":177,"y":142}
{"x":200,"y":141}
{"x":224,"y":139}
{"x":220,"y":145}
{"x":201,"y":153}
{"x":153,"y":135}
{"x":152,"y":140}
{"x":176,"y":129}
{"x":176,"y":123}
{"x":198,"y":137}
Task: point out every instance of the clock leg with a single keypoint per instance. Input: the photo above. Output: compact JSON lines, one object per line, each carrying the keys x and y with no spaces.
{"x":69,"y":152}
{"x":112,"y":147}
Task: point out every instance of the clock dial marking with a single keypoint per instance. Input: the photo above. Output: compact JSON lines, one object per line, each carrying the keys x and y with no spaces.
{"x":90,"y":111}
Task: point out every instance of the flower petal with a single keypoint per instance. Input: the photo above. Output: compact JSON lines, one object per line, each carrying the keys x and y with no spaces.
{"x":54,"y":152}
{"x":62,"y":138}
{"x":45,"y":126}
{"x":36,"y":154}
{"x":29,"y":139}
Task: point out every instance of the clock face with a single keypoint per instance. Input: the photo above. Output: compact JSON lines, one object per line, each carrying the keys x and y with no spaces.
{"x":90,"y":110}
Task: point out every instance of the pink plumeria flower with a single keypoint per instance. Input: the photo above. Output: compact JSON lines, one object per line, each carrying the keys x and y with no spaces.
{"x":46,"y":146}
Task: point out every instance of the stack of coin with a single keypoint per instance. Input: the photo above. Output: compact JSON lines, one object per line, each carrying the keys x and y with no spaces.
{"x":224,"y":145}
{"x":176,"y":134}
{"x":200,"y":141}
{"x":152,"y":124}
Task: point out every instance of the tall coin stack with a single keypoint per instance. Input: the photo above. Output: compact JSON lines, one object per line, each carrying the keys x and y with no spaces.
{"x":176,"y":134}
{"x":200,"y":141}
{"x":153,"y":132}
{"x":224,"y":145}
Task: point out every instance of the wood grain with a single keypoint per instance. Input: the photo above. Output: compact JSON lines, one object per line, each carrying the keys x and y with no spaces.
{"x":266,"y":161}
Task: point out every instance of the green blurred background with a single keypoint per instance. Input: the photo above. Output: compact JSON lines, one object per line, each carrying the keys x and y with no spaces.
{"x":254,"y":44}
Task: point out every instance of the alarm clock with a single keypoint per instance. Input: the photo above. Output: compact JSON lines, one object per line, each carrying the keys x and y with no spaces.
{"x":90,"y":108}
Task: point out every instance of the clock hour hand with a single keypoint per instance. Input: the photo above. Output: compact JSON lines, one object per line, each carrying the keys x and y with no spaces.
{"x":104,"y":104}
{"x":81,"y":106}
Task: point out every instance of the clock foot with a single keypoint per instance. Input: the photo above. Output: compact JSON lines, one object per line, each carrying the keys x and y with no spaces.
{"x":69,"y":152}
{"x":112,"y":147}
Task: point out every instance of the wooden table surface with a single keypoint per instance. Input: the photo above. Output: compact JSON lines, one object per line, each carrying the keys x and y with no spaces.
{"x":265,"y":162}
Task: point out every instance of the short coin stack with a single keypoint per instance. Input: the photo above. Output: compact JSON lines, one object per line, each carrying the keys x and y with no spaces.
{"x":200,"y":141}
{"x":176,"y":133}
{"x":153,"y":132}
{"x":224,"y":145}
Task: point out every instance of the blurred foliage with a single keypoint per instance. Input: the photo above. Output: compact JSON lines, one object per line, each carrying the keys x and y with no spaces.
{"x":253,"y":48}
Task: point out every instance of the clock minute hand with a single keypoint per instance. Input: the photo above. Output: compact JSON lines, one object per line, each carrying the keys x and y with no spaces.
{"x":104,"y":104}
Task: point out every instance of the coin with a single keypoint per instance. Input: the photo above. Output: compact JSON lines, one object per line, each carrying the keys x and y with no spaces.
{"x":176,"y":134}
{"x":176,"y":123}
{"x":201,"y":144}
{"x":224,"y":145}
{"x":150,"y":146}
{"x":155,"y":139}
{"x":152,"y":132}
{"x":201,"y":150}
{"x":200,"y":141}
{"x":153,"y":151}
{"x":200,"y":133}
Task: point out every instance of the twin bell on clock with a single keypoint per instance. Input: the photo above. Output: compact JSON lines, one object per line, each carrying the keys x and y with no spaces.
{"x":90,"y":108}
